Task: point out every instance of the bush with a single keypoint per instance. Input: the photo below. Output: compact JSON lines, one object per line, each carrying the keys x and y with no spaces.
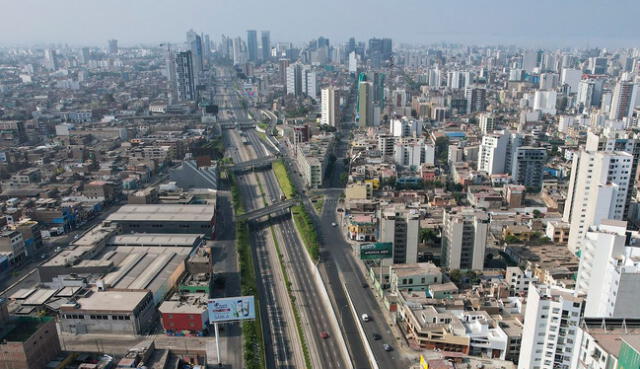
{"x":283,"y":179}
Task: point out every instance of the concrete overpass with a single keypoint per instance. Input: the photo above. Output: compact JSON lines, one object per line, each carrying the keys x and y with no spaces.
{"x":273,"y":208}
{"x":260,"y":163}
{"x":228,"y":124}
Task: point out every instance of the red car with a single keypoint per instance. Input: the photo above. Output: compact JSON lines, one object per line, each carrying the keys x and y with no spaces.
{"x":324,"y":335}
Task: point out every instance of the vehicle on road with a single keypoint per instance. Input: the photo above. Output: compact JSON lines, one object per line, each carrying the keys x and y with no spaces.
{"x":365,"y":318}
{"x":333,"y":224}
{"x":387,"y":347}
{"x":324,"y":335}
{"x":365,"y":285}
{"x":376,"y":336}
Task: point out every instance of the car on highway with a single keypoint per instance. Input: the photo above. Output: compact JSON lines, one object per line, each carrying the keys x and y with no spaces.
{"x":387,"y":347}
{"x":365,"y":317}
{"x":333,"y":224}
{"x":324,"y":335}
{"x":376,"y":336}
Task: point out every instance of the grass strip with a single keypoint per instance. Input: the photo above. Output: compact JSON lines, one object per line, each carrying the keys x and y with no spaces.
{"x":307,"y":230}
{"x":283,"y":179}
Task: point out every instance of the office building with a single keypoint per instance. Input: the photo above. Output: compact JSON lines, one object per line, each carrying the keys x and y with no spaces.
{"x":598,"y":189}
{"x":401,"y":226}
{"x":353,"y":62}
{"x":476,"y":99}
{"x":239,"y":51}
{"x":265,"y":37}
{"x":379,"y":51}
{"x":624,"y":100}
{"x":495,"y":155}
{"x":487,"y":123}
{"x":464,"y":238}
{"x":413,"y":153}
{"x":550,"y":322}
{"x":609,"y":272}
{"x":365,"y":102}
{"x":85,"y":55}
{"x":329,"y":107}
{"x":590,"y":92}
{"x":185,"y":78}
{"x":548,"y":81}
{"x":194,"y":41}
{"x":405,"y":127}
{"x":528,"y":166}
{"x":252,"y":45}
{"x":113,"y":47}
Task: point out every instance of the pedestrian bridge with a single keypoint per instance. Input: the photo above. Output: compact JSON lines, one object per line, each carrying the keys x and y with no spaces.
{"x":260,"y":163}
{"x":273,"y":208}
{"x":229,"y":124}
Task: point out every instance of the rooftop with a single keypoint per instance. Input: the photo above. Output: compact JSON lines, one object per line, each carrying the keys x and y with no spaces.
{"x":113,"y":300}
{"x":20,"y":329}
{"x":163,"y":212}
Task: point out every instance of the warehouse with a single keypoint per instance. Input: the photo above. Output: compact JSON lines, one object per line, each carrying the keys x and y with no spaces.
{"x":166,"y":218}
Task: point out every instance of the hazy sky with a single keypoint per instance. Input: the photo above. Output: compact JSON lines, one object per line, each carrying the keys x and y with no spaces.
{"x":528,"y":23}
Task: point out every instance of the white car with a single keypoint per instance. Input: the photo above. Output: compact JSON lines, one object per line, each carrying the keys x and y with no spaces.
{"x":365,"y":317}
{"x":333,"y":224}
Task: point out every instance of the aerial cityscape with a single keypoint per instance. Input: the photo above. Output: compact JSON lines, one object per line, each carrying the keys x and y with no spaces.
{"x":252,"y":191}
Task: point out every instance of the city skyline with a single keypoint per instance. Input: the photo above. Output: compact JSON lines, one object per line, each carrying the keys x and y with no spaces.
{"x":571,"y":23}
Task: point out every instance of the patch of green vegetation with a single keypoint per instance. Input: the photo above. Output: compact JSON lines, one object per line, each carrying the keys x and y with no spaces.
{"x":283,"y":179}
{"x":318,"y":204}
{"x":307,"y":230}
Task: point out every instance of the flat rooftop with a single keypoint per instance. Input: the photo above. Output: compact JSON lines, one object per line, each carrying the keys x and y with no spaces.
{"x":155,"y":239}
{"x":112,"y":300}
{"x":163,"y":212}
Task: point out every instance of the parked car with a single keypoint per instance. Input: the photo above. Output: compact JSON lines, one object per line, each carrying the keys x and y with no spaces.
{"x":387,"y":347}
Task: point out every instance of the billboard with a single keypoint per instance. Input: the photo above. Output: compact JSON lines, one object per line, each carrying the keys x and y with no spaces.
{"x":378,"y":250}
{"x":231,"y":309}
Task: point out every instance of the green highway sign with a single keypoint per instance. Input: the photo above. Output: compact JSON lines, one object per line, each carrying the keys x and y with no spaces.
{"x":375,"y":251}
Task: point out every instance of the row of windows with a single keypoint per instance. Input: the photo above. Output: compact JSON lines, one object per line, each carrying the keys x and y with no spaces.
{"x":96,"y":317}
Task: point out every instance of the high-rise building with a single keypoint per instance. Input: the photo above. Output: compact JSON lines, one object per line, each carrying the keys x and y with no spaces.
{"x":571,"y":78}
{"x":609,"y":272}
{"x":252,"y":45}
{"x":172,"y":79}
{"x":548,"y":337}
{"x":476,"y":99}
{"x":545,"y":102}
{"x":401,"y":226}
{"x":598,"y":190}
{"x":464,"y":238}
{"x":239,"y":51}
{"x":309,"y":83}
{"x":528,"y":166}
{"x":294,"y":79}
{"x":379,"y":51}
{"x":353,"y":62}
{"x":113,"y":47}
{"x":365,"y":104}
{"x":413,"y":152}
{"x":185,"y":77}
{"x":624,"y":100}
{"x":529,"y":60}
{"x":194,"y":42}
{"x":50,"y":60}
{"x":265,"y":37}
{"x":590,"y":92}
{"x":487,"y":123}
{"x":85,"y":55}
{"x":284,"y":64}
{"x":330,"y":105}
{"x":612,"y":140}
{"x":597,"y":65}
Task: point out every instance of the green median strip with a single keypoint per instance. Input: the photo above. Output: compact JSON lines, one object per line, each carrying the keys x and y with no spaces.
{"x":252,"y":335}
{"x":283,"y":179}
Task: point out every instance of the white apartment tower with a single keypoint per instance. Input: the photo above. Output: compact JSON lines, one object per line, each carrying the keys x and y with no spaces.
{"x":598,"y":190}
{"x":624,"y":100}
{"x":609,"y":271}
{"x":329,"y":107}
{"x":550,"y":325}
{"x":401,"y":227}
{"x":464,"y":238}
{"x":487,"y":123}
